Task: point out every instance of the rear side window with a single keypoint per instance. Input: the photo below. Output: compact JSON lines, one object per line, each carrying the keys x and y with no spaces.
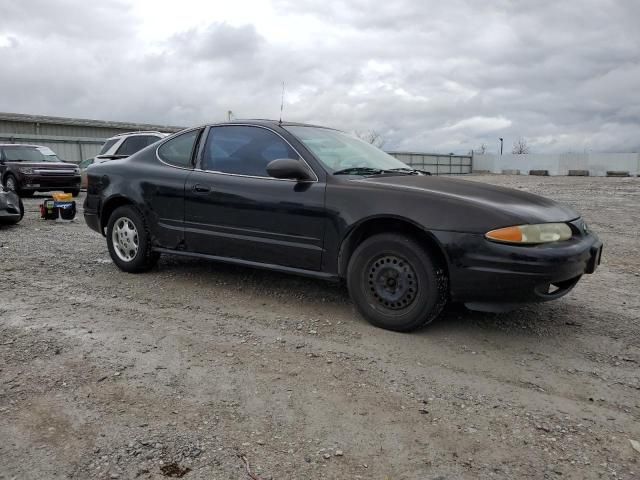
{"x":179,"y":150}
{"x":134,"y":144}
{"x":107,"y":145}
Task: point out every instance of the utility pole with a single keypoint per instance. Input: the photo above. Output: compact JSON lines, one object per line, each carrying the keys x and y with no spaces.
{"x":229,"y":115}
{"x":501,"y":142}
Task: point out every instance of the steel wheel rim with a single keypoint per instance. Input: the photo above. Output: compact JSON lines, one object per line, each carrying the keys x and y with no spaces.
{"x":124,"y":238}
{"x":11,"y":184}
{"x":392,"y":283}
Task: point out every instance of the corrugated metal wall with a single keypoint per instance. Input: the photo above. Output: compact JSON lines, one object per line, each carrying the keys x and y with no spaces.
{"x":437,"y":164}
{"x":71,"y":142}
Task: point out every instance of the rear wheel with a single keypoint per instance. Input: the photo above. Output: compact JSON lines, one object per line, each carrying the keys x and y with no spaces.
{"x":129,"y":241}
{"x":395,"y":283}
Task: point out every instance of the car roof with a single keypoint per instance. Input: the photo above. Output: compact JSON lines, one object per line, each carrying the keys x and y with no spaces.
{"x":265,"y":122}
{"x":140,"y":132}
{"x":26,"y":145}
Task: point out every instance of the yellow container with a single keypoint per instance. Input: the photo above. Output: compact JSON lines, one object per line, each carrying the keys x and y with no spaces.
{"x":62,"y":197}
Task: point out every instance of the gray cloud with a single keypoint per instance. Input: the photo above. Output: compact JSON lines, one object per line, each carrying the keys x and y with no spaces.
{"x":218,"y":41}
{"x":430,"y":76}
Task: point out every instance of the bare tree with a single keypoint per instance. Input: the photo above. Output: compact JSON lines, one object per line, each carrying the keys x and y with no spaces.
{"x":520,"y":147}
{"x":481,"y":150}
{"x":371,"y":136}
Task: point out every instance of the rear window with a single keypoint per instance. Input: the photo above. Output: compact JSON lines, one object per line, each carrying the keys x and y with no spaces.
{"x":134,"y":144}
{"x":107,"y":145}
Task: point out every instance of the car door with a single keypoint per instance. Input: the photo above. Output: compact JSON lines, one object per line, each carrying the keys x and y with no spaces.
{"x":233,"y":208}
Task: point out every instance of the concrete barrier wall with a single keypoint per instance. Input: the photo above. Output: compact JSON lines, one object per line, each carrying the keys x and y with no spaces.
{"x":596,"y":163}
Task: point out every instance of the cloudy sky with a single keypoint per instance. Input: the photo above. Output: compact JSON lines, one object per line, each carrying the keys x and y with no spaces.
{"x":428,"y":75}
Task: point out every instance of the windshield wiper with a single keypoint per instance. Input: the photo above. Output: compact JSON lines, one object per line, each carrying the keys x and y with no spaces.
{"x":407,"y":170}
{"x":377,"y":171}
{"x":359,"y":171}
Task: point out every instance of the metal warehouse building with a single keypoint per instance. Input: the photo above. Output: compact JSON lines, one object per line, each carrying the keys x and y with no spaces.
{"x":73,"y":139}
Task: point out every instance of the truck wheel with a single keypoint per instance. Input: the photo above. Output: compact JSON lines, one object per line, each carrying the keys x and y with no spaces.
{"x":129,"y":241}
{"x":395,"y":283}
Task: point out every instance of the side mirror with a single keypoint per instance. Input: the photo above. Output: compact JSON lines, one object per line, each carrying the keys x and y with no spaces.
{"x":290,"y":169}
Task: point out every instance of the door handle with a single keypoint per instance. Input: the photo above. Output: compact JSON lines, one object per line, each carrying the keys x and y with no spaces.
{"x":197,"y":188}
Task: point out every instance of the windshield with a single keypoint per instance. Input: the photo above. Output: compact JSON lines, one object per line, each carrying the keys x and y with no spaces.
{"x":339,"y":151}
{"x":27,"y":154}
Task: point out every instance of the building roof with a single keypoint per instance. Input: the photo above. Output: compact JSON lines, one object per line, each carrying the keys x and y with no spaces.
{"x":83,"y":122}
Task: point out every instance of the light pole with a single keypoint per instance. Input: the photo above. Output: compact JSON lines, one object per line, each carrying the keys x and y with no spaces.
{"x":501,"y":141}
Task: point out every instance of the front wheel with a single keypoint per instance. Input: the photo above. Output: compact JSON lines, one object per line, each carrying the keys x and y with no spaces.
{"x":11,"y":183}
{"x":129,"y":241}
{"x":396,"y":283}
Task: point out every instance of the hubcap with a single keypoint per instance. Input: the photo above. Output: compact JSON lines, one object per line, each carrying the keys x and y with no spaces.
{"x":392,"y":282}
{"x":11,"y":184}
{"x":125,"y":239}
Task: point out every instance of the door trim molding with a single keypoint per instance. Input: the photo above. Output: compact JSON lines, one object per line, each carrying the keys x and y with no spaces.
{"x":248,"y":263}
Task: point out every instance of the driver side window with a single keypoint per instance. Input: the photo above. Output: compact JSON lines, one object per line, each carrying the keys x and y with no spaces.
{"x":244,"y":150}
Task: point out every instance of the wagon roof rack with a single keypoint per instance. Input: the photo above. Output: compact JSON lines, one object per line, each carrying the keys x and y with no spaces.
{"x":136,"y":132}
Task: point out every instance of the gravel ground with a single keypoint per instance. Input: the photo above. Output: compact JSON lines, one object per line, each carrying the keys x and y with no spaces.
{"x":194,"y":368}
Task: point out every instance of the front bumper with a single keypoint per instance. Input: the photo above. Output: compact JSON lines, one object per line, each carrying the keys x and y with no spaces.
{"x":93,"y":221}
{"x":481,"y":271}
{"x":92,"y":208}
{"x":44,"y":183}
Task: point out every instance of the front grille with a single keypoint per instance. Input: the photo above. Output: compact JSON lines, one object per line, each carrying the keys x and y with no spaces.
{"x":54,"y":173}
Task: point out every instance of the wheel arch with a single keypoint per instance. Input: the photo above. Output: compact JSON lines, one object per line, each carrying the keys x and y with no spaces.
{"x":6,"y":174}
{"x":109,"y":207}
{"x":385,"y":224}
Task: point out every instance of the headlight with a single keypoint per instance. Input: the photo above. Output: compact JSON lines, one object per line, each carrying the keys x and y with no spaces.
{"x":531,"y":234}
{"x":26,"y":170}
{"x":76,"y":170}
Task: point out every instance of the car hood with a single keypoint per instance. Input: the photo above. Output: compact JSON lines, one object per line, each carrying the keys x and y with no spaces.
{"x":523,"y":207}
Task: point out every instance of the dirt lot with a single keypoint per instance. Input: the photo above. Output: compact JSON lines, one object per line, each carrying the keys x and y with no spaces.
{"x":194,"y":365}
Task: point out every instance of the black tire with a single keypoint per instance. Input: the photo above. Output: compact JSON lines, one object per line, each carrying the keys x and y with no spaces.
{"x":11,"y":183}
{"x":144,"y":258}
{"x":395,"y":283}
{"x":21,"y":210}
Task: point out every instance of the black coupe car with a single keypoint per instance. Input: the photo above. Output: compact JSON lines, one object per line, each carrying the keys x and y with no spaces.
{"x":315,"y":201}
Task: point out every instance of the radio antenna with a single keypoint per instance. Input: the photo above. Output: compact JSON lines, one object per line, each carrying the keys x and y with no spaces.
{"x":281,"y":104}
